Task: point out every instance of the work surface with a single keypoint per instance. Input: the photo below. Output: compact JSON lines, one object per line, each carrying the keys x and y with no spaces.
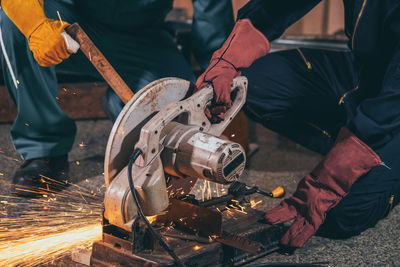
{"x":278,"y":162}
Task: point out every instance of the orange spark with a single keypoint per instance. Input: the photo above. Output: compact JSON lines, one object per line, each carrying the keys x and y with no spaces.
{"x":34,"y":250}
{"x":44,"y":229}
{"x":196,"y":247}
{"x":253,"y":203}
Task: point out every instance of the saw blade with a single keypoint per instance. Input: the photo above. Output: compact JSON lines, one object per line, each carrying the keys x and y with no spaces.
{"x":135,"y":114}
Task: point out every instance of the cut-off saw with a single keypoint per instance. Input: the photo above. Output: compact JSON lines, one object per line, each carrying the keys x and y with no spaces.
{"x":159,"y":145}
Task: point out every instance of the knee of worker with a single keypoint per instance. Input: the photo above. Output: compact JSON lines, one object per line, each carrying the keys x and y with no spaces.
{"x":371,"y":197}
{"x":354,"y":214}
{"x":10,"y":33}
{"x":272,"y":87}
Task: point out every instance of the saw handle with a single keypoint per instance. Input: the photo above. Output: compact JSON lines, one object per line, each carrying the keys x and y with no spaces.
{"x":100,"y":62}
{"x":239,"y":84}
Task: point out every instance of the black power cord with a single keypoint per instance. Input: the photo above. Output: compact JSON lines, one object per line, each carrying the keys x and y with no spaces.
{"x":136,"y":153}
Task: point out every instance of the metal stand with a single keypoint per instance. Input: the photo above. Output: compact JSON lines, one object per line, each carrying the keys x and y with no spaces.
{"x":121,"y":248}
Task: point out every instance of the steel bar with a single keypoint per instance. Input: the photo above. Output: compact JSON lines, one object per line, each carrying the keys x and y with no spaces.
{"x":100,"y":62}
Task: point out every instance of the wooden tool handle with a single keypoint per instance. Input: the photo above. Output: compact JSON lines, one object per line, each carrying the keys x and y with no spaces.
{"x":100,"y":62}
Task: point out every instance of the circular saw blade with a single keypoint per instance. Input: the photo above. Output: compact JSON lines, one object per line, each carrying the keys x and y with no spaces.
{"x":136,"y":113}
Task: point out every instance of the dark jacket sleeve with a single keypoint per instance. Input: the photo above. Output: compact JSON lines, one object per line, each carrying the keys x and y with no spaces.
{"x":377,"y":118}
{"x":273,"y":17}
{"x":212,"y":22}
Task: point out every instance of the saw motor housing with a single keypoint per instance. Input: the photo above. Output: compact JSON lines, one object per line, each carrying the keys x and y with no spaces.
{"x":191,"y":152}
{"x":179,"y":141}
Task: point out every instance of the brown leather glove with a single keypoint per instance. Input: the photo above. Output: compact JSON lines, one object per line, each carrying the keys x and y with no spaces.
{"x":244,"y":45}
{"x":323,"y":188}
{"x":44,"y":35}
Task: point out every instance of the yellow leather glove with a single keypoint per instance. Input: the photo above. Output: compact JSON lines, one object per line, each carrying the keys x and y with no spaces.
{"x":44,"y":35}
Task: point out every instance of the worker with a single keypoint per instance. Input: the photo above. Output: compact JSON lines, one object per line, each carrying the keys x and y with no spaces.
{"x":344,"y":105}
{"x":131,"y":35}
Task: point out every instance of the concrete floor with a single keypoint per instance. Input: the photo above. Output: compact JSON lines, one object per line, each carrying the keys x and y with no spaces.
{"x":278,"y":162}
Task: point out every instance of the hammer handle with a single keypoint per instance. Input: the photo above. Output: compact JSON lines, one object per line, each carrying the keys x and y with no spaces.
{"x":100,"y":62}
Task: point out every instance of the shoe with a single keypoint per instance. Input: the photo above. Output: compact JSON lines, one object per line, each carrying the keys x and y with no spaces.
{"x":41,"y":176}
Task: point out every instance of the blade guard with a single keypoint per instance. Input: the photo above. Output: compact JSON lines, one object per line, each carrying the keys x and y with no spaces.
{"x":148,"y":172}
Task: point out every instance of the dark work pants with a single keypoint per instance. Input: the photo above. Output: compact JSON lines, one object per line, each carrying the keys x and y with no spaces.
{"x":307,"y":96}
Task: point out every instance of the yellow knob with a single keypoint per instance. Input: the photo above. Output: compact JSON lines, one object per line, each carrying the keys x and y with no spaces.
{"x":278,"y":192}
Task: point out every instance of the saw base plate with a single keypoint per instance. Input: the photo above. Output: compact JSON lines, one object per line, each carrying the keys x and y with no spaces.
{"x":113,"y":252}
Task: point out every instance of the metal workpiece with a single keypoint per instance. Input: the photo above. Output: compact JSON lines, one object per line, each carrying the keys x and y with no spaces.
{"x":98,"y":60}
{"x":190,"y":152}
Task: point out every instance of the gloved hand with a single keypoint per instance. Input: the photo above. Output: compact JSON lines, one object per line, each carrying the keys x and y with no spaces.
{"x":47,"y":43}
{"x":44,"y":35}
{"x":323,"y":188}
{"x":244,"y":45}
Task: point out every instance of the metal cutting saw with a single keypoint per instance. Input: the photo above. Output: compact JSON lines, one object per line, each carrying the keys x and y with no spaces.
{"x":174,"y":142}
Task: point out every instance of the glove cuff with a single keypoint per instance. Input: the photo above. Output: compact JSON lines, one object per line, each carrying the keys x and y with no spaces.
{"x":27,"y":15}
{"x":323,"y":189}
{"x":244,"y":45}
{"x":348,"y":159}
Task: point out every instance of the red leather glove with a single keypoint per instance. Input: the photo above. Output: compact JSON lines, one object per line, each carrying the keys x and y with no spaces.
{"x":244,"y":45}
{"x":323,"y":188}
